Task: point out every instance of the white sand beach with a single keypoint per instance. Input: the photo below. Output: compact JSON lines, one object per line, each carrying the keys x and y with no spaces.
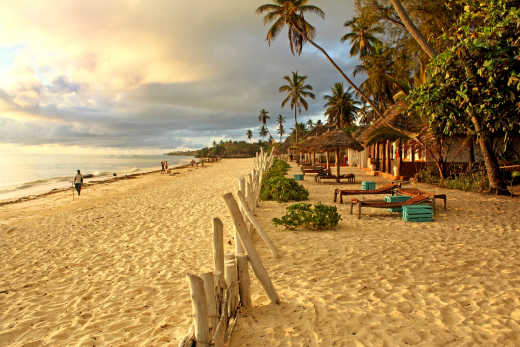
{"x":380,"y":281}
{"x":109,"y":268}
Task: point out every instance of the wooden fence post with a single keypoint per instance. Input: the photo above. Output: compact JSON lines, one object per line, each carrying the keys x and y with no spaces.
{"x":209,"y":289}
{"x":231,"y":276}
{"x":244,"y":282}
{"x":200,"y":311}
{"x":253,"y":256}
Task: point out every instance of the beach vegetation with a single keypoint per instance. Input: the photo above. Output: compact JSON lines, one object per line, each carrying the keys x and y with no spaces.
{"x":281,"y":129}
{"x":341,"y":108}
{"x":314,"y":217}
{"x":277,"y":187}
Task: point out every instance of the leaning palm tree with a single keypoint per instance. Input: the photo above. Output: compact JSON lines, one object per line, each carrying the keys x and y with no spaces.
{"x":249,"y":134}
{"x":281,"y":129}
{"x":341,"y":107}
{"x":297,"y":91}
{"x":291,"y":13}
{"x":361,"y":37}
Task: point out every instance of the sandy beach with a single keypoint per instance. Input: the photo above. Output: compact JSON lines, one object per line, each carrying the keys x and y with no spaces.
{"x":109,"y":268}
{"x":379,"y":281}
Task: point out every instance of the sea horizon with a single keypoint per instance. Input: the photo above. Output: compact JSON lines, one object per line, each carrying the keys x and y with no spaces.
{"x":35,"y":174}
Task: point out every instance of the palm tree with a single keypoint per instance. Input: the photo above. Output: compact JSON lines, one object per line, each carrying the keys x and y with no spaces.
{"x":310,"y":124}
{"x":412,"y":29}
{"x":341,"y":107}
{"x":361,"y":37}
{"x":297,"y":91}
{"x":281,"y":129}
{"x":249,"y":134}
{"x":263,"y":131}
{"x":263,"y":117}
{"x":291,"y":13}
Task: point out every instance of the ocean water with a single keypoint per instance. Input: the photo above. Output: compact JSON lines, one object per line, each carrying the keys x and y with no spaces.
{"x":32,"y":174}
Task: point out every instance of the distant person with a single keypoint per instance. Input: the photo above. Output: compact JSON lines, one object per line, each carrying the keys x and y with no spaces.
{"x":162,"y":166}
{"x":192,"y":163}
{"x":78,"y":182}
{"x":166,"y":166}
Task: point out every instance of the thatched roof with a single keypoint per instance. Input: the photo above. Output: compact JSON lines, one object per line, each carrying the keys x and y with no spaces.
{"x":337,"y":139}
{"x":394,"y":125}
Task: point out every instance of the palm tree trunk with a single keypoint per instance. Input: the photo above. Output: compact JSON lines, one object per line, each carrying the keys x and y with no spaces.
{"x":412,"y":29}
{"x":295,"y":126}
{"x":349,"y":81}
{"x":496,"y":183}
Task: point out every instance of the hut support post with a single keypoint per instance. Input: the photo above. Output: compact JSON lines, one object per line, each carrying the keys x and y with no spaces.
{"x":337,"y":165}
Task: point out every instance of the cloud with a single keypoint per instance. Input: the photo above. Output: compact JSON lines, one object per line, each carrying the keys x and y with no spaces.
{"x":130,"y":73}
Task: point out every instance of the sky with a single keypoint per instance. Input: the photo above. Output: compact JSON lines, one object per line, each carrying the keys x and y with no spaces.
{"x":147,"y":76}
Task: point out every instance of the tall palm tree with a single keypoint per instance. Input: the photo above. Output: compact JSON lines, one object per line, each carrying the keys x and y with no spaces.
{"x":263,"y":131}
{"x":281,"y":129}
{"x":379,"y":68}
{"x":341,"y":107}
{"x":291,"y":13}
{"x":361,"y":37}
{"x":297,"y":91}
{"x":263,"y":117}
{"x":249,"y":134}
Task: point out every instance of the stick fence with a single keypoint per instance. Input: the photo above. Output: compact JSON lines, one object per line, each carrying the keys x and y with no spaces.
{"x":218,"y":296}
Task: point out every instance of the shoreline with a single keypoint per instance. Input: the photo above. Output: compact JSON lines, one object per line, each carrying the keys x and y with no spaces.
{"x":88,"y":184}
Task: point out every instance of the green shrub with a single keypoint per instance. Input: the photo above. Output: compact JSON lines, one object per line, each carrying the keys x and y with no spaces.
{"x":472,"y":182}
{"x":317,"y":217}
{"x":283,"y":189}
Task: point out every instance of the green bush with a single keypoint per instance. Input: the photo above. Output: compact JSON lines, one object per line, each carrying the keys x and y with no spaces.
{"x":473,"y":182}
{"x":283,"y":189}
{"x":317,"y":217}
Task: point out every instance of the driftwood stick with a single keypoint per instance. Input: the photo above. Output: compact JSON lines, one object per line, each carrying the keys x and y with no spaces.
{"x":218,"y":336}
{"x":209,"y":289}
{"x":250,"y":195}
{"x":244,"y":282}
{"x":249,"y":215}
{"x":200,"y":310}
{"x":242,"y":184}
{"x":238,"y":245}
{"x":253,"y":256}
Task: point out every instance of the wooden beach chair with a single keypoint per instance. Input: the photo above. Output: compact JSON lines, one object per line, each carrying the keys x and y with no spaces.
{"x":386,"y":189}
{"x":416,"y":192}
{"x":415,"y":200}
{"x":350,"y":178}
{"x":313,"y":169}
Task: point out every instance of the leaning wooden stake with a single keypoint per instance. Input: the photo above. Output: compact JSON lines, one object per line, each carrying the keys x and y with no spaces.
{"x":244,"y":282}
{"x":200,"y":310}
{"x":249,"y":215}
{"x":253,"y":256}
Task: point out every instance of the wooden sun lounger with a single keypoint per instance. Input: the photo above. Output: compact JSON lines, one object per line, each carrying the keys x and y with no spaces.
{"x":351,"y":178}
{"x":316,"y":170}
{"x":386,"y":189}
{"x":416,"y":192}
{"x":419,"y":199}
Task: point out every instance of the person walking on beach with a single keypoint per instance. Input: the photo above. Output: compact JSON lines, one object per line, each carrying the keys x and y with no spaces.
{"x":162,"y":166}
{"x":166,"y":166}
{"x":78,"y":182}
